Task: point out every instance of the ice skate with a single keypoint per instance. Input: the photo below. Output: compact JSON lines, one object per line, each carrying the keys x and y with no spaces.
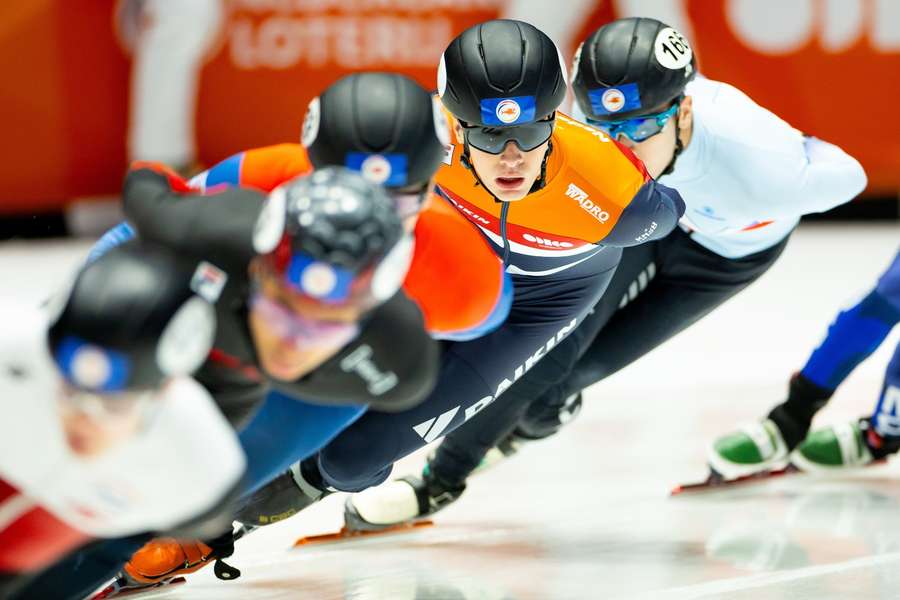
{"x":844,"y":446}
{"x":522,"y":435}
{"x":122,"y":587}
{"x":164,"y":562}
{"x":754,"y":452}
{"x":753,"y":449}
{"x":401,"y":501}
{"x":397,"y":506}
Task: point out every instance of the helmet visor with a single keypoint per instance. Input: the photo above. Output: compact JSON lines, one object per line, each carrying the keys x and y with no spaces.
{"x":303,"y":332}
{"x":638,"y":129}
{"x":494,"y":139}
{"x":109,"y":407}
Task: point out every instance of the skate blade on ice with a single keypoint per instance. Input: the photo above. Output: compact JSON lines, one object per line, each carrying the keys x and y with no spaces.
{"x":157,"y":590}
{"x":716,"y":481}
{"x":346,"y":534}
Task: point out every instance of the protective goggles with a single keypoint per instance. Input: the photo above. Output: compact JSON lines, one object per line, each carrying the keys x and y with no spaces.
{"x":637,"y":129}
{"x":494,"y":139}
{"x":301,"y":331}
{"x":114,"y":406}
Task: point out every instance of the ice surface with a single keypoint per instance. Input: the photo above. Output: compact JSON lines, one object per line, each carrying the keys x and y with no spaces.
{"x":586,"y":514}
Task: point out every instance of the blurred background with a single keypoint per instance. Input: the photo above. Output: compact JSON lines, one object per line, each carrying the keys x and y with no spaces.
{"x":88,"y":85}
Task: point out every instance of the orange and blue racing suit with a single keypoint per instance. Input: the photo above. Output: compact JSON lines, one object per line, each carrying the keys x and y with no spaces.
{"x":561,"y":245}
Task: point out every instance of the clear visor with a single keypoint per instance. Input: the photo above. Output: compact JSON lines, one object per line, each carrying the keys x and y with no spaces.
{"x":109,"y":407}
{"x":303,"y":332}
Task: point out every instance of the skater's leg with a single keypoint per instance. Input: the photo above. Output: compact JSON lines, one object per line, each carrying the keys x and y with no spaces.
{"x":465,"y":448}
{"x":473,"y":375}
{"x":853,"y":336}
{"x":886,"y":419}
{"x":12,"y":583}
{"x":82,"y":572}
{"x":690,"y":282}
{"x":286,"y":430}
{"x":856,"y":332}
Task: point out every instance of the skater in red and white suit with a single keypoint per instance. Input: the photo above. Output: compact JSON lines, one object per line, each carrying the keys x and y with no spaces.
{"x":102,"y":434}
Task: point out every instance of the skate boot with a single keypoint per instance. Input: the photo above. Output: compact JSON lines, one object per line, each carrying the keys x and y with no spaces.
{"x":402,"y":501}
{"x":283,"y":497}
{"x":755,"y":448}
{"x":532,"y":429}
{"x":843,"y":446}
{"x":510,"y":445}
{"x":165,"y":561}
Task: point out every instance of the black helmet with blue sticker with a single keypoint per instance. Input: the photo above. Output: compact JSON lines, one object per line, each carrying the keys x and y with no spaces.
{"x":343,"y":240}
{"x":383,"y":125}
{"x":631,"y":67}
{"x":502,"y":73}
{"x":133,"y":318}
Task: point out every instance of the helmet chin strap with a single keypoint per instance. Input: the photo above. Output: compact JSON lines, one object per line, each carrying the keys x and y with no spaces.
{"x":539,"y":183}
{"x":679,"y":147}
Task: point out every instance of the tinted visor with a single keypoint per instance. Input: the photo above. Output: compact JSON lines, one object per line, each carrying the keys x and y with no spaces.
{"x":640,"y":128}
{"x":494,"y":139}
{"x":303,"y":332}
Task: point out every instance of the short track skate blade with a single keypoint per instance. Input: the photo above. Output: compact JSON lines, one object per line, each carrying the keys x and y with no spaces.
{"x":715,"y":481}
{"x":152,"y":591}
{"x":346,"y":534}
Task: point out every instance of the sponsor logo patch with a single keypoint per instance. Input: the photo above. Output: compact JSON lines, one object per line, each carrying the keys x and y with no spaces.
{"x":581,"y":197}
{"x":208,"y":281}
{"x":318,"y":280}
{"x":382,"y":169}
{"x":614,"y":100}
{"x":508,"y":111}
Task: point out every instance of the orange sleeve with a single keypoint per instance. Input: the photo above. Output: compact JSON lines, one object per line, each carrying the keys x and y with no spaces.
{"x":267,"y":168}
{"x":456,"y":278}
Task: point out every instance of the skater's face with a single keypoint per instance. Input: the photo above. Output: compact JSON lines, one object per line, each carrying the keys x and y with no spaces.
{"x":293,"y":335}
{"x":95,"y":423}
{"x":510,"y":174}
{"x":657,"y":151}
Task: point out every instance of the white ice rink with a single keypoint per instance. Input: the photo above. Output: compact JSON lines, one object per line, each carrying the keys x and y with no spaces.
{"x":586,"y":514}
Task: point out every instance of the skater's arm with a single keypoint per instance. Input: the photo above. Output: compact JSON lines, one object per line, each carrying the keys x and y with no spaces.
{"x":652,"y":214}
{"x":814,"y":178}
{"x":116,"y":236}
{"x":261,"y":168}
{"x":217,"y":226}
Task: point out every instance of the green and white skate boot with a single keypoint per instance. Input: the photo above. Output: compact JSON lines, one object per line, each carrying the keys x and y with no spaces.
{"x":841,"y":446}
{"x":755,"y":448}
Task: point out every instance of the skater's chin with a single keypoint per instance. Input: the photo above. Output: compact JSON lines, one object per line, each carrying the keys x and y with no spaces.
{"x":86,"y":445}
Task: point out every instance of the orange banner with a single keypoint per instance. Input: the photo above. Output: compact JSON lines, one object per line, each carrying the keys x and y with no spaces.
{"x":829,"y":68}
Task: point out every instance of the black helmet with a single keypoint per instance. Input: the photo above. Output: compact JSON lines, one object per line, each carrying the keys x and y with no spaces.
{"x":501,"y":73}
{"x":343,"y":239}
{"x":631,"y":67}
{"x":384,"y":125}
{"x":132,"y":319}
